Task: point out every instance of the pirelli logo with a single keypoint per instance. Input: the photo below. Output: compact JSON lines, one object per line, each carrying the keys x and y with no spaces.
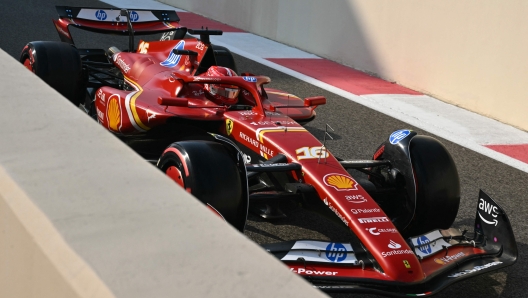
{"x":373,"y":219}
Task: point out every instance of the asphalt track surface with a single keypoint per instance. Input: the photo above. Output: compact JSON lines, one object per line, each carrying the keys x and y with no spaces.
{"x":358,"y":132}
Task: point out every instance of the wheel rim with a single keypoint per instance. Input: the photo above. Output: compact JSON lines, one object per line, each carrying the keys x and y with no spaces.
{"x":28,"y":65}
{"x":175,"y":174}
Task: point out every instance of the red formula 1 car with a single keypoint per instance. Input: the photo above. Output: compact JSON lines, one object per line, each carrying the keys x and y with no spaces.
{"x":236,"y":145}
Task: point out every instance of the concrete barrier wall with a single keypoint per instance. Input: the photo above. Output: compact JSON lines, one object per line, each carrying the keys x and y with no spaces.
{"x":468,"y":53}
{"x":81,"y":215}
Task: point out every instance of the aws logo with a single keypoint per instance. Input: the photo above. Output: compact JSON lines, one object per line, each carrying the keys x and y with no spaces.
{"x":488,"y":209}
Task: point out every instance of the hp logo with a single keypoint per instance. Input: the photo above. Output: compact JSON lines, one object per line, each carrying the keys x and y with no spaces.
{"x":424,"y":247}
{"x":336,"y":252}
{"x":100,"y":15}
{"x":134,"y":16}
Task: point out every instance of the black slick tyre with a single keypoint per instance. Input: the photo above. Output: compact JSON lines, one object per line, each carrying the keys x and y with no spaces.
{"x":209,"y":172}
{"x":58,"y":64}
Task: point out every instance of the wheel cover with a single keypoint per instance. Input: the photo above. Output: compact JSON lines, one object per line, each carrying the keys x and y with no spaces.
{"x":28,"y":64}
{"x":175,"y":174}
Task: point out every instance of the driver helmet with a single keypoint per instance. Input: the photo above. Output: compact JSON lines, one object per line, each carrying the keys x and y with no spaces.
{"x":221,"y":93}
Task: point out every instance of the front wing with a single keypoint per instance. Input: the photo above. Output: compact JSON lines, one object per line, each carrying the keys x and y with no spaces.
{"x":446,"y":257}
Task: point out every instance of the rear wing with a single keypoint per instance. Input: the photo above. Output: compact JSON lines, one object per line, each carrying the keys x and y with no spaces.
{"x":115,"y":21}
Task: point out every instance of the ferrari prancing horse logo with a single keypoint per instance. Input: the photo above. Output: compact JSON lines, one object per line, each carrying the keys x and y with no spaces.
{"x":229,"y":126}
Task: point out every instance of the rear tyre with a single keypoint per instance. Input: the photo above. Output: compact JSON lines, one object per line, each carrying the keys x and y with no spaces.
{"x":58,"y":64}
{"x":210,"y":172}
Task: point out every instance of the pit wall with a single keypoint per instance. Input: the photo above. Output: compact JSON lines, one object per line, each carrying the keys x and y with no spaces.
{"x":82,"y":215}
{"x":468,"y":53}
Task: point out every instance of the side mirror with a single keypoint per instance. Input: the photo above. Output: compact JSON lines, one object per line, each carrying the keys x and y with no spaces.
{"x":314,"y":101}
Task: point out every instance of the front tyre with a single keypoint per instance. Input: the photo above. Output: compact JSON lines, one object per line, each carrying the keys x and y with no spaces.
{"x":210,"y":172}
{"x":426,"y":177}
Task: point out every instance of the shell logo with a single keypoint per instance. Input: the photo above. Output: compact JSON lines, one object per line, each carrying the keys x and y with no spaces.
{"x":340,"y":182}
{"x":439,"y":261}
{"x":114,"y":112}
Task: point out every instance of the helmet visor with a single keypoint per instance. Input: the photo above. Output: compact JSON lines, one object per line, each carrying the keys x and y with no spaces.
{"x":226,"y":92}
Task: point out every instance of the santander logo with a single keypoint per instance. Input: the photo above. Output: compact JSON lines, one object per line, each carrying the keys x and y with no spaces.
{"x":394,"y":245}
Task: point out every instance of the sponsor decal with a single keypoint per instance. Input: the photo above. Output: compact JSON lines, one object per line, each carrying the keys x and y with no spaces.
{"x":200,"y":46}
{"x":447,"y":259}
{"x":406,"y":263}
{"x":375,"y":231}
{"x":303,"y":271}
{"x":355,"y":199}
{"x":197,"y":79}
{"x":250,"y":79}
{"x":340,"y":182}
{"x":198,"y":93}
{"x":363,"y":211}
{"x":322,"y":252}
{"x":273,"y":123}
{"x":475,"y":269}
{"x":143,"y":47}
{"x":101,"y":15}
{"x":424,"y":244}
{"x":229,"y":126}
{"x":121,"y":63}
{"x":272,"y":113}
{"x":167,"y":36}
{"x":428,"y":244}
{"x":397,"y":252}
{"x":394,"y":245}
{"x":173,"y":59}
{"x":247,"y":113}
{"x":263,"y":149}
{"x":336,"y":252}
{"x":398,"y":135}
{"x":114,"y":112}
{"x":488,"y":209}
{"x":311,"y":153}
{"x":373,"y":219}
{"x":248,"y":139}
{"x":134,"y":16}
{"x":100,"y":114}
{"x":270,"y":165}
{"x":337,"y":213}
{"x":101,"y":96}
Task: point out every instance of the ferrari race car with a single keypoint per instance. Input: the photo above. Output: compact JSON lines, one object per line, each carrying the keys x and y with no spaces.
{"x":238,"y":146}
